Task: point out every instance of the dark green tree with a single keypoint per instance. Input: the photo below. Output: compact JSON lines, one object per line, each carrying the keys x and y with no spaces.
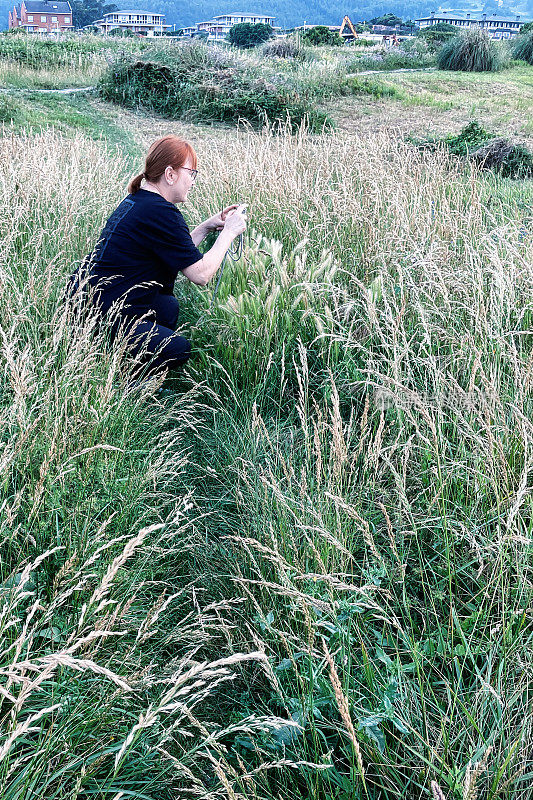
{"x":386,"y":19}
{"x":246,"y":34}
{"x":437,"y":35}
{"x":527,"y":28}
{"x":321,"y":35}
{"x":86,"y":12}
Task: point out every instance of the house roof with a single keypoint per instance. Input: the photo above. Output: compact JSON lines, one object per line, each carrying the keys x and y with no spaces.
{"x":135,"y":11}
{"x":501,"y":18}
{"x":245,"y":14}
{"x":47,"y":6}
{"x":473,"y":17}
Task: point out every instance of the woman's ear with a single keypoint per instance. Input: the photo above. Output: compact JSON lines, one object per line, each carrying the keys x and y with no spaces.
{"x":169,"y":175}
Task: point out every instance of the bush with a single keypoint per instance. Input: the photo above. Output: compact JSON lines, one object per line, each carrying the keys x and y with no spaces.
{"x":471,"y":137}
{"x":247,"y":35}
{"x":523,"y":49}
{"x":527,"y":28}
{"x":470,"y":51}
{"x":321,"y":35}
{"x":508,"y":159}
{"x":205,"y":84}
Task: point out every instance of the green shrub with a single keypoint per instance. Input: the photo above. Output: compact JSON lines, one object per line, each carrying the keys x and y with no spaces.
{"x":470,"y":51}
{"x":246,"y":34}
{"x":527,"y":28}
{"x":523,"y":49}
{"x":204,"y":84}
{"x":467,"y":140}
{"x":321,"y":35}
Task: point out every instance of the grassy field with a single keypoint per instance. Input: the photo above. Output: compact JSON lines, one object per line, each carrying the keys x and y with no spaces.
{"x":303,"y":570}
{"x":444,"y":102}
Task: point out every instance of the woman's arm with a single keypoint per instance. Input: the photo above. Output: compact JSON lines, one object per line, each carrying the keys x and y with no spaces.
{"x":214,"y":223}
{"x":199,"y":233}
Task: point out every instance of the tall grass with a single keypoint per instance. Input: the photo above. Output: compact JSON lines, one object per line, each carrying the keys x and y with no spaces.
{"x":523,"y":48}
{"x":306,"y":571}
{"x":471,"y":51}
{"x":28,"y":61}
{"x":98,"y":681}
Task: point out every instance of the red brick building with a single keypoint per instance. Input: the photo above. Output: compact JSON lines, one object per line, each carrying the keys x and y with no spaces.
{"x":42,"y":16}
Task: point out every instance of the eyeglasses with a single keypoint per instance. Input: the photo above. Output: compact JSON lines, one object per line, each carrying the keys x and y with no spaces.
{"x":194,"y":172}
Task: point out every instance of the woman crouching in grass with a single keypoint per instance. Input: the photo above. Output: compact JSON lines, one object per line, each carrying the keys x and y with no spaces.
{"x":144,"y":245}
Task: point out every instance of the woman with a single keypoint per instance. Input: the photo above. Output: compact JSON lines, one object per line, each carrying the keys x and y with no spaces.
{"x":145,"y":244}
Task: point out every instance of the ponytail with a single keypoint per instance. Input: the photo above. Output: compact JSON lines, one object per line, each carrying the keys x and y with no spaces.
{"x":135,"y":183}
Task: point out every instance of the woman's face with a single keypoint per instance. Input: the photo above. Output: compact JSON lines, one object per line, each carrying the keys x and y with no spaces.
{"x":183,"y":181}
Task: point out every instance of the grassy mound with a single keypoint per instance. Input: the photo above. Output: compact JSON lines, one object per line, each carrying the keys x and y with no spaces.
{"x":471,"y":51}
{"x":473,"y":142}
{"x":523,"y":49}
{"x":205,"y":85}
{"x":508,"y":159}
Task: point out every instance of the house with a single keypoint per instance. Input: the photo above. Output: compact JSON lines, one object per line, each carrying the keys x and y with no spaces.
{"x":498,"y":26}
{"x":42,"y":16}
{"x":219,"y":27}
{"x":145,"y":23}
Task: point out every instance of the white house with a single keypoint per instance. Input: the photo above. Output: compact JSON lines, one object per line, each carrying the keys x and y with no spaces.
{"x":498,"y":26}
{"x":146,"y":23}
{"x":219,"y":27}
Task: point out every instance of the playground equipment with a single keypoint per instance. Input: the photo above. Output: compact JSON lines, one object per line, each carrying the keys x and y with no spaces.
{"x":349,"y":35}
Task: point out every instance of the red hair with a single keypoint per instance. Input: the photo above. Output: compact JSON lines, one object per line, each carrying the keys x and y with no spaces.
{"x":170,"y":151}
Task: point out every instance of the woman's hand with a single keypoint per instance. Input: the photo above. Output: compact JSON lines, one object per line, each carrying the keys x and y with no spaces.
{"x":235,"y":224}
{"x":216,"y":222}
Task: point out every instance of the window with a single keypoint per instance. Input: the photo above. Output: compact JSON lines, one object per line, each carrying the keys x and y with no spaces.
{"x":54,"y":19}
{"x":43,"y":18}
{"x":30,"y":17}
{"x":67,"y":20}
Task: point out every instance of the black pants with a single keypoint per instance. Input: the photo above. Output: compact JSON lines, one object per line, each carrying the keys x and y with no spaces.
{"x":155,"y":342}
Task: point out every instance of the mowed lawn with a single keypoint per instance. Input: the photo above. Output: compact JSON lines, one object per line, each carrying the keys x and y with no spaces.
{"x":440,"y":102}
